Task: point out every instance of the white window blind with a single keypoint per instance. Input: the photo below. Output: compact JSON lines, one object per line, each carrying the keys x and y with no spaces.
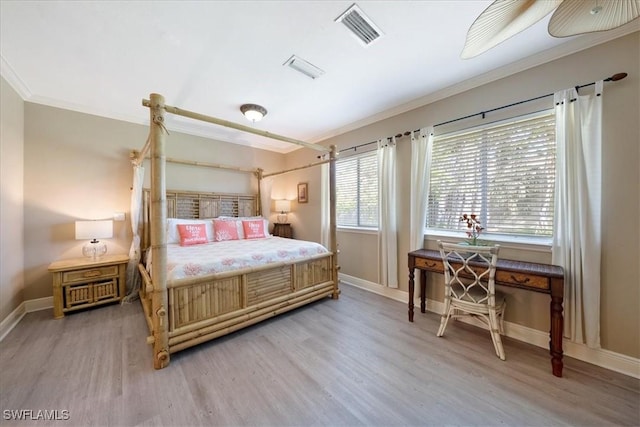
{"x":357,"y":191}
{"x":504,"y":172}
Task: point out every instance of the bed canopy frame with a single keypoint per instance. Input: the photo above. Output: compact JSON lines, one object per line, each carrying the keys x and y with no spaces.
{"x":155,"y":288}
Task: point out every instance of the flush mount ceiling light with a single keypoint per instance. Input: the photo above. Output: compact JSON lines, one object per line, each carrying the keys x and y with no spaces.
{"x":506,"y":18}
{"x":253,"y":112}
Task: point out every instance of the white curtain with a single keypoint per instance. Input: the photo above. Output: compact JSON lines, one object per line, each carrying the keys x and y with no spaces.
{"x":577,"y":231}
{"x":324,"y":205}
{"x":265,"y":195}
{"x":421,"y":152}
{"x":387,"y":230}
{"x":133,"y":276}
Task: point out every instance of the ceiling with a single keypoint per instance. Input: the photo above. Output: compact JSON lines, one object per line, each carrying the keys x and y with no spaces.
{"x":104,"y":57}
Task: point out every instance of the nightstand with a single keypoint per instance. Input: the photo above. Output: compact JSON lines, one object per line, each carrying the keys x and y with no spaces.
{"x":282,"y":230}
{"x":86,"y":282}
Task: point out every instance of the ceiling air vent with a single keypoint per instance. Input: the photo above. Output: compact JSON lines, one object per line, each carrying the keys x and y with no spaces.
{"x":305,"y":67}
{"x":365,"y":31}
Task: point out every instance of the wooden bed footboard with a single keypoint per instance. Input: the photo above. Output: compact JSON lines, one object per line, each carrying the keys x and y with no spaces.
{"x":205,"y":308}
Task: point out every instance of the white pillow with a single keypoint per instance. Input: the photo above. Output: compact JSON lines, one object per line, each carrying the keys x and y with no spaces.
{"x":173,"y":236}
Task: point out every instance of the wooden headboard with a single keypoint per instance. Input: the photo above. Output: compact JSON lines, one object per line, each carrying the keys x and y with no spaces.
{"x":196,"y":205}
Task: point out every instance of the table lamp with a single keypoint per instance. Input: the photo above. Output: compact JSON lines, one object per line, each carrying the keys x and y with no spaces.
{"x":283,"y":206}
{"x":94,"y":230}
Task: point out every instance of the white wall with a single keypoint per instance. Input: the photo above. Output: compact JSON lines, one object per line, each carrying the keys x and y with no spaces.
{"x":76,"y":166}
{"x":11,"y":199}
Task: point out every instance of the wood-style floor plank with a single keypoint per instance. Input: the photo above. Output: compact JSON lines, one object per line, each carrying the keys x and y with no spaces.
{"x":355,"y":361}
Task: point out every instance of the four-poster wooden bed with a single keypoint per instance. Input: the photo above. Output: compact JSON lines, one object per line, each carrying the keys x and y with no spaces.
{"x":188,"y":311}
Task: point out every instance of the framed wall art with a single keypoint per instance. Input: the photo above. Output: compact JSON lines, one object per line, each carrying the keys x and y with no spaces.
{"x":303,"y":192}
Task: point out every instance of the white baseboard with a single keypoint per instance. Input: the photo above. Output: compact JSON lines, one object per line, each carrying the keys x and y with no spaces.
{"x":39,"y":304}
{"x":604,"y":358}
{"x":10,"y":322}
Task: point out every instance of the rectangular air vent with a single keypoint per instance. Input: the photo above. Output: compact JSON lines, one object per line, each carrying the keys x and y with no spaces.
{"x":365,"y":31}
{"x":304,"y":67}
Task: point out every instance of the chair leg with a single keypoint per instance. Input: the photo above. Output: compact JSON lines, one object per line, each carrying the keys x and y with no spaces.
{"x":445,"y":317}
{"x":501,"y":316}
{"x":494,"y":328}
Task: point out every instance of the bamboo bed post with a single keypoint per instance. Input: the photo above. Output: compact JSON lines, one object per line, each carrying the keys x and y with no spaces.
{"x":332,"y":219}
{"x":259,"y":201}
{"x":159,"y":300}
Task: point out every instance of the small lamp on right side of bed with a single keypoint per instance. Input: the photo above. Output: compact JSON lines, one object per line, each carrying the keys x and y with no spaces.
{"x":94,"y":230}
{"x":283,"y":207}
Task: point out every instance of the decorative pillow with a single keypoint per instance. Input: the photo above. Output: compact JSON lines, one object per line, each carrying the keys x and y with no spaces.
{"x":253,"y":229}
{"x":192,"y":234}
{"x":172,"y":228}
{"x":239,"y":220}
{"x":224,"y":230}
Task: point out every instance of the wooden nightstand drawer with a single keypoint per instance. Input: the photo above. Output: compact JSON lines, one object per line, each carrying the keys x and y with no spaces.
{"x":90,"y":293}
{"x":283,"y":230}
{"x":90,"y":274}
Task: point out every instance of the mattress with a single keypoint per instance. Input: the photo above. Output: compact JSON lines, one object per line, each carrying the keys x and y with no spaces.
{"x":217,"y":257}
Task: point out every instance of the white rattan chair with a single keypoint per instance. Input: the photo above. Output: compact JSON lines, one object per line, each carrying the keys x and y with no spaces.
{"x":470,"y":290}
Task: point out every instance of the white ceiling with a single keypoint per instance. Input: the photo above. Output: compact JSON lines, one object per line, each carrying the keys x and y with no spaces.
{"x":104,"y":57}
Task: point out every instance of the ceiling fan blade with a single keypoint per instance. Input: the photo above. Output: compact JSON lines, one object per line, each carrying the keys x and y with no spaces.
{"x":574,"y":17}
{"x":502,"y":20}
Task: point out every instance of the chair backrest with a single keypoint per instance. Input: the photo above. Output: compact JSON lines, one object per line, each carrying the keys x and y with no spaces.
{"x":469,"y":272}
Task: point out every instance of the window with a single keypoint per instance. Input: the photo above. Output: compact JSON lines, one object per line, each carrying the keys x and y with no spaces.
{"x":504,"y":172}
{"x":357,"y":191}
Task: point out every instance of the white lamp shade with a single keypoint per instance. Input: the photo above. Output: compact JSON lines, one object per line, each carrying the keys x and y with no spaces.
{"x":87,"y":230}
{"x":283,"y":206}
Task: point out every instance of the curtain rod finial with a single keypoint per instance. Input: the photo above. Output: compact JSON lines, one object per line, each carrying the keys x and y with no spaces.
{"x":616,"y":77}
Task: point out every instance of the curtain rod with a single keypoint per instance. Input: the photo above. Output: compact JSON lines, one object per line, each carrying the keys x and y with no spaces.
{"x":614,"y":78}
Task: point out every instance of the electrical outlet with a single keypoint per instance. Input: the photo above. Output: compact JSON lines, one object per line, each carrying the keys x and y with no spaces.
{"x":118,"y":216}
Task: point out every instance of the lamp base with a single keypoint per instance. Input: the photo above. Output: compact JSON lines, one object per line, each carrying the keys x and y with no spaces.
{"x":94,"y":249}
{"x":282,"y":218}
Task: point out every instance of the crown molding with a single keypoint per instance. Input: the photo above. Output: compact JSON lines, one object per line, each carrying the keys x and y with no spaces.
{"x":7,"y":72}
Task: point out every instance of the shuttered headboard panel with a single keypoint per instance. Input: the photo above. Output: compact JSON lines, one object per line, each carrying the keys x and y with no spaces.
{"x":195,"y":205}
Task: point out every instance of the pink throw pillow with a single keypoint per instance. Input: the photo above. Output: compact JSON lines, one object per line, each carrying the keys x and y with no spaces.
{"x":253,"y":229}
{"x":224,"y":230}
{"x":192,"y":234}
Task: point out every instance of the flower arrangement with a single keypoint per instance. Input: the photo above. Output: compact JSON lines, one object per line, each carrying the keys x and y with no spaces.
{"x":474,"y":228}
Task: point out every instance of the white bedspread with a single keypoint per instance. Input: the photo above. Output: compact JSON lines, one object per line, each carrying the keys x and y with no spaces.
{"x":218,"y":257}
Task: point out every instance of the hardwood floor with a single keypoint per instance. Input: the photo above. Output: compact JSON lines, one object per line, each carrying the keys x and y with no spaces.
{"x":354,"y":361}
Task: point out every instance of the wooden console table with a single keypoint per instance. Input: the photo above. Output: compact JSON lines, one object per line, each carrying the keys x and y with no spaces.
{"x":548,"y":279}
